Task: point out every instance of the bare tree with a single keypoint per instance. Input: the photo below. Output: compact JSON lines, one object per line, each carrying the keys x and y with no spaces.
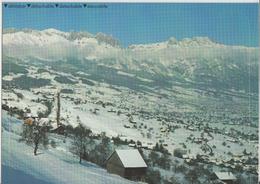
{"x":192,"y":176}
{"x":80,"y":141}
{"x":35,"y":134}
{"x":40,"y":137}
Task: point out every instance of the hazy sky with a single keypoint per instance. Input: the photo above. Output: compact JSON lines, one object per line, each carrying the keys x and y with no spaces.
{"x":235,"y":24}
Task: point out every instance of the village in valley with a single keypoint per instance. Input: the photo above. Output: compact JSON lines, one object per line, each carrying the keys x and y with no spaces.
{"x":126,"y":126}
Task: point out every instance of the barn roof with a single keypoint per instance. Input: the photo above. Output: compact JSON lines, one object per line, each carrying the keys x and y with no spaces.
{"x":225,"y":176}
{"x":131,"y":158}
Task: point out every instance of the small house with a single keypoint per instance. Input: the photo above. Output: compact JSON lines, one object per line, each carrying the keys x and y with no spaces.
{"x":127,"y":163}
{"x":43,"y":121}
{"x":58,"y":129}
{"x":226,"y":177}
{"x":29,"y":115}
{"x":29,"y":121}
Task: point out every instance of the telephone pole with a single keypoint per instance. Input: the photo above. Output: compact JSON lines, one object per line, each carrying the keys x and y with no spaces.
{"x":58,"y":109}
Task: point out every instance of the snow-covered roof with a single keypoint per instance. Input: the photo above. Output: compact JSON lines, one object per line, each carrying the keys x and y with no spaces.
{"x":225,"y":176}
{"x":54,"y":126}
{"x":27,"y":115}
{"x":43,"y":121}
{"x":131,"y":158}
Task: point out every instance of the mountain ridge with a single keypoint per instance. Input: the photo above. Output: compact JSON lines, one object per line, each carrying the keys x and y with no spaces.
{"x":198,"y":60}
{"x":193,"y":41}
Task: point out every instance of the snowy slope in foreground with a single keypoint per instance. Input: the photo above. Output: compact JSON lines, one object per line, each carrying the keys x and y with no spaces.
{"x":49,"y":167}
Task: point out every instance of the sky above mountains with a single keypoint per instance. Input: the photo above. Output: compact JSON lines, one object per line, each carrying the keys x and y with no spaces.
{"x":231,"y":24}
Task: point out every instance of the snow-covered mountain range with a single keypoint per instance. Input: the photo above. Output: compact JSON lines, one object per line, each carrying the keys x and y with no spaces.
{"x":54,"y":44}
{"x":190,"y":59}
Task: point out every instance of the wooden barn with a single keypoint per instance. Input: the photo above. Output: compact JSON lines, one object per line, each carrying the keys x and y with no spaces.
{"x":127,"y":163}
